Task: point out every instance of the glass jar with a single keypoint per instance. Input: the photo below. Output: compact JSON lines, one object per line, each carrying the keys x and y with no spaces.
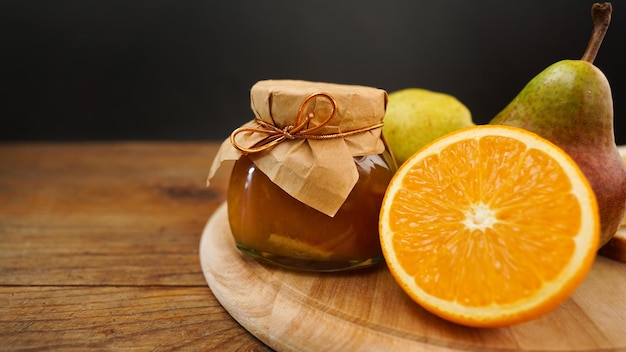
{"x":270,"y":225}
{"x":309,"y":176}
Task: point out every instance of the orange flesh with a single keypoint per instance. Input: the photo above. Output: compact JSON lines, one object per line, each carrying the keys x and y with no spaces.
{"x":481,"y":217}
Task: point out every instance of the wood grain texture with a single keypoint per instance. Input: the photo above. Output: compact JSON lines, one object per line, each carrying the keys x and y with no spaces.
{"x":367,"y":310}
{"x":99,"y":248}
{"x":117,"y":318}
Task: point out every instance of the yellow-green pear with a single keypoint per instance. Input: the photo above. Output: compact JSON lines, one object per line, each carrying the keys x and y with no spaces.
{"x":570,"y":104}
{"x":417,"y":116}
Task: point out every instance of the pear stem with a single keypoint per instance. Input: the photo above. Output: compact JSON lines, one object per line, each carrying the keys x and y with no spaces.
{"x":601,"y":15}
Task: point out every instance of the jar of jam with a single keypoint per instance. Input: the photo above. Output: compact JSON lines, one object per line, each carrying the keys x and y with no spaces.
{"x":310,"y":174}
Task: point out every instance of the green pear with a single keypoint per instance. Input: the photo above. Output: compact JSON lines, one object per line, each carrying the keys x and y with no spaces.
{"x":570,"y":104}
{"x":417,"y":116}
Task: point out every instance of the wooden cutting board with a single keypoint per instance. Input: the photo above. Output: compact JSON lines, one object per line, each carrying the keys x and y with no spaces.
{"x":366,"y":310}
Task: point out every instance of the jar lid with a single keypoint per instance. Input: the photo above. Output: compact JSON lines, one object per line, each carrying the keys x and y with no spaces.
{"x":278,"y":102}
{"x":305,"y":135}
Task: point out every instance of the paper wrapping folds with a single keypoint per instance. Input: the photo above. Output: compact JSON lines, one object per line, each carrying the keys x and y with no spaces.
{"x":319,"y":173}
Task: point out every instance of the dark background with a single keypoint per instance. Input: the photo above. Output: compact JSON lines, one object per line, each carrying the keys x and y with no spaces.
{"x":181,"y":70}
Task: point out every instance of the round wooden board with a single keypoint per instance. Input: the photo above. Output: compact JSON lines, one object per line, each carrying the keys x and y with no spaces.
{"x":365,"y":310}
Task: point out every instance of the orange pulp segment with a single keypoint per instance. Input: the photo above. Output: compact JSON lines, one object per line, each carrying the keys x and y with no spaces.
{"x":489,"y":226}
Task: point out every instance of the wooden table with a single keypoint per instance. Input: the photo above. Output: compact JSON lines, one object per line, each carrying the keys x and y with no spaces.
{"x":99,"y":248}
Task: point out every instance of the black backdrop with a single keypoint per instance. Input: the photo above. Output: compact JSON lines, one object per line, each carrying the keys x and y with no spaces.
{"x":181,"y":70}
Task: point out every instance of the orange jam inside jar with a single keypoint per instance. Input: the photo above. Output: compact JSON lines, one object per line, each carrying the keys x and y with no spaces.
{"x":309,"y":176}
{"x":271,"y":225}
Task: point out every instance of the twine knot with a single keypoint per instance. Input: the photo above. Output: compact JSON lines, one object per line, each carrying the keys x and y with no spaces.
{"x":276,"y":135}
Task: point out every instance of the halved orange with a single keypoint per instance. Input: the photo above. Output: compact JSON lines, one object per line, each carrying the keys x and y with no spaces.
{"x":489,"y":226}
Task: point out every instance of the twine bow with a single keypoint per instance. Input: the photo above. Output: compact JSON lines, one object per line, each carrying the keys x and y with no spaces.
{"x":276,"y":135}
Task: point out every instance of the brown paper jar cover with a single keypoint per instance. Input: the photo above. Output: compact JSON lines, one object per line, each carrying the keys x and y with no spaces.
{"x":318,"y":172}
